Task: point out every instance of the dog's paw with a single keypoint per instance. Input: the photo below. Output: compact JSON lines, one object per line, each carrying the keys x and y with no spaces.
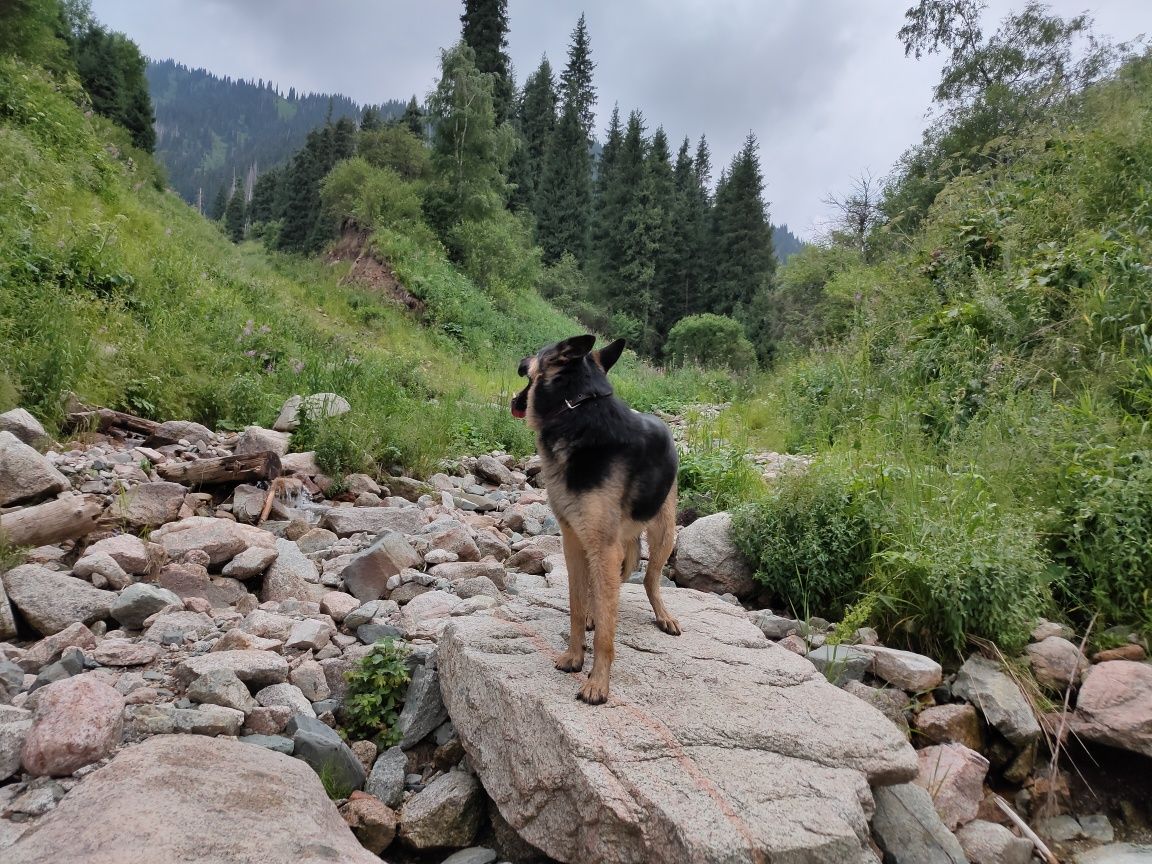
{"x":570,"y":662}
{"x":593,"y":693}
{"x":669,"y":625}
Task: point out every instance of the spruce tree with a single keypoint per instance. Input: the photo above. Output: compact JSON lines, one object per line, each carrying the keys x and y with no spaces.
{"x":414,"y":119}
{"x":262,"y":207}
{"x":742,"y":236}
{"x":234,"y":214}
{"x":606,"y":216}
{"x":485,"y":31}
{"x":219,"y":205}
{"x":564,"y":202}
{"x":370,"y":120}
{"x":576,"y":88}
{"x":536,"y":121}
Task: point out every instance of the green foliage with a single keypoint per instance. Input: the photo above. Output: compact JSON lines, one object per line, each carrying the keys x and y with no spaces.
{"x":234,"y":215}
{"x":1107,"y":537}
{"x":368,"y":196}
{"x":564,"y":197}
{"x":710,"y":340}
{"x":498,"y":255}
{"x":811,"y":539}
{"x":111,"y":69}
{"x":715,"y":472}
{"x":376,"y":688}
{"x":394,"y":148}
{"x":485,"y":31}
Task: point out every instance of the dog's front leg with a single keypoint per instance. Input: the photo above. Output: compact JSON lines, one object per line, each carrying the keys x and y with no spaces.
{"x":604,"y":578}
{"x":572,"y":660}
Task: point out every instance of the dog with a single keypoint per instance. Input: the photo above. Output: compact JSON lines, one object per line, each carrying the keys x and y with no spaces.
{"x":610,"y":473}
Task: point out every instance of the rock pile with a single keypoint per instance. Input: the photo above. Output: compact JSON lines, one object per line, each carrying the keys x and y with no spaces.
{"x":177,"y":639}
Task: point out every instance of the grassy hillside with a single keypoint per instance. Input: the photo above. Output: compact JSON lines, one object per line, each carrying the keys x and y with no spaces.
{"x":980,"y":399}
{"x":116,"y":290}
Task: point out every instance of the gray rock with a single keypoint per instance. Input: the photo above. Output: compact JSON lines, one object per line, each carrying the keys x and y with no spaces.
{"x":904,"y":669}
{"x":368,"y":612}
{"x":374,"y":631}
{"x":1097,"y":828}
{"x":320,"y":746}
{"x":7,"y":619}
{"x":276,"y":743}
{"x":254,"y":668}
{"x":286,"y":694}
{"x":236,"y":803}
{"x":172,"y":431}
{"x":51,"y":601}
{"x":423,"y":705}
{"x":24,"y":426}
{"x":386,"y":781}
{"x":840,"y":663}
{"x":151,"y":505}
{"x":490,"y":469}
{"x":477,"y":586}
{"x":981,"y":682}
{"x":25,"y":475}
{"x":176,"y":628}
{"x":127,"y":550}
{"x":1059,"y":829}
{"x":102,"y":570}
{"x":210,"y":720}
{"x":908,"y":830}
{"x":989,"y":843}
{"x":221,"y":539}
{"x":254,"y":439}
{"x":455,"y":571}
{"x":1116,"y":853}
{"x":221,"y":687}
{"x":446,"y":813}
{"x":309,"y":635}
{"x":1056,"y":662}
{"x":774,"y":732}
{"x":708,"y":560}
{"x":316,"y":540}
{"x":1115,"y":704}
{"x":777,"y":626}
{"x":15,"y":724}
{"x":475,"y":855}
{"x":346,"y":521}
{"x":316,"y":406}
{"x":251,"y":562}
{"x":292,"y":576}
{"x":366,"y":576}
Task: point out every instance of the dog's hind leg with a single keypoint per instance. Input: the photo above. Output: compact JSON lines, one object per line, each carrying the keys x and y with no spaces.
{"x":661,"y":538}
{"x":631,"y":557}
{"x":572,"y":660}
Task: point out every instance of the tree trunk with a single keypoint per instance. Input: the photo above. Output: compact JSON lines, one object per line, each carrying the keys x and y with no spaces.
{"x":52,"y":521}
{"x":225,"y":469}
{"x":103,"y":419}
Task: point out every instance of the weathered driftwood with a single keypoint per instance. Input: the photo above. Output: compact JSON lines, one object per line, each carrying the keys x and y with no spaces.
{"x":103,"y":419}
{"x":224,"y":469}
{"x":52,"y":521}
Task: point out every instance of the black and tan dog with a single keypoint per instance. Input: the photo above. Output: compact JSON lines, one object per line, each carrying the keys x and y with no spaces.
{"x":610,"y":474}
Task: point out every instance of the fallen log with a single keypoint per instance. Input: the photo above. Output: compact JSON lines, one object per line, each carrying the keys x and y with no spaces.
{"x":224,"y":469}
{"x":103,"y":419}
{"x":52,"y":521}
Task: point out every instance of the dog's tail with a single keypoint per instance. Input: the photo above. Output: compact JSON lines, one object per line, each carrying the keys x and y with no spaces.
{"x":631,"y":558}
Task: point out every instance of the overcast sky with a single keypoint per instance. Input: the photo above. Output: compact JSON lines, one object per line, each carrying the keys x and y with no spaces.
{"x":823,"y":83}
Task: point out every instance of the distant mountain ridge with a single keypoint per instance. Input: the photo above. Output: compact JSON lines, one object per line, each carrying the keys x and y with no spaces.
{"x":210,"y":129}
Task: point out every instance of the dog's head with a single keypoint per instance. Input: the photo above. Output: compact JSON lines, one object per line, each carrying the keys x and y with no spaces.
{"x":565,"y":371}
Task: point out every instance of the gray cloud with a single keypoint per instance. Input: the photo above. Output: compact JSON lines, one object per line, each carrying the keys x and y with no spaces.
{"x":823,"y":83}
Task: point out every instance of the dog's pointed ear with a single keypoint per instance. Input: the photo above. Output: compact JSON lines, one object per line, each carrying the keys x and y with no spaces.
{"x":574,"y":348}
{"x":607,"y":356}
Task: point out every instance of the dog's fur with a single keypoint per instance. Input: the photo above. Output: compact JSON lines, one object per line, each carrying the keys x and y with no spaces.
{"x":610,"y":474}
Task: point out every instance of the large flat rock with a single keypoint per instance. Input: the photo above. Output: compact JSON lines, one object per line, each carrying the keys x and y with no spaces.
{"x":190,"y":798}
{"x":714,"y":746}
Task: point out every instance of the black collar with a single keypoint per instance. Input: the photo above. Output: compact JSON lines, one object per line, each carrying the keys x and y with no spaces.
{"x":569,"y":404}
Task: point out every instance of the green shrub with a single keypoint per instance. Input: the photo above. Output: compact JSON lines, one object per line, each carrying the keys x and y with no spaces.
{"x":369,"y":196}
{"x":710,"y":340}
{"x":811,"y":539}
{"x":396,"y":149}
{"x":376,"y":689}
{"x":1107,"y":539}
{"x":498,"y":254}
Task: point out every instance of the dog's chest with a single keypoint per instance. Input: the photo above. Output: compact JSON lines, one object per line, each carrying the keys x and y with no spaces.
{"x":553,"y":461}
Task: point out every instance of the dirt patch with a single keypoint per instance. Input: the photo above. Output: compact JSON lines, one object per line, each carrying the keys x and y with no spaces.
{"x":370,"y":271}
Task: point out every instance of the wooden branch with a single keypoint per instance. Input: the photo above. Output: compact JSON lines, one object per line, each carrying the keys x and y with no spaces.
{"x":224,"y":469}
{"x":52,"y":521}
{"x":1042,"y":849}
{"x":103,"y":419}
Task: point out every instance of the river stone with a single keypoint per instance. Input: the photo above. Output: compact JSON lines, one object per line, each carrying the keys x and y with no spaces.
{"x":24,"y":426}
{"x":1115,"y":706}
{"x":708,"y":560}
{"x":14,"y":726}
{"x":151,"y":505}
{"x":321,"y":747}
{"x":366,"y":576}
{"x":954,"y":776}
{"x":714,"y":746}
{"x":77,"y":722}
{"x":1056,"y":662}
{"x":236,"y":804}
{"x":255,"y":439}
{"x":423,"y":705}
{"x":254,"y":668}
{"x":292,"y":576}
{"x":386,"y":781}
{"x":221,"y":539}
{"x":446,"y":813}
{"x":1116,"y":853}
{"x":50,"y":601}
{"x":908,"y":830}
{"x":904,"y":669}
{"x":316,"y":406}
{"x":127,"y":550}
{"x":25,"y":475}
{"x":999,"y":699}
{"x":990,"y":843}
{"x":346,"y":521}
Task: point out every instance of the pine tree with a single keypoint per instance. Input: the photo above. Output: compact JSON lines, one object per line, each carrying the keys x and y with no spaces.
{"x":564,"y":203}
{"x":606,"y":216}
{"x":742,"y":236}
{"x":219,"y":205}
{"x":618,"y":189}
{"x":536,"y":121}
{"x":485,"y":31}
{"x":370,"y":120}
{"x":234,"y":214}
{"x":262,"y":208}
{"x":343,"y":140}
{"x":414,"y":119}
{"x":576,"y":88}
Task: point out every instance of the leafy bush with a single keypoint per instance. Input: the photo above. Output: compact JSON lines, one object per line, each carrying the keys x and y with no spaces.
{"x":394,"y":148}
{"x":376,"y":689}
{"x":1107,"y":541}
{"x":710,"y":340}
{"x":497,"y":253}
{"x":369,"y":196}
{"x":811,"y":539}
